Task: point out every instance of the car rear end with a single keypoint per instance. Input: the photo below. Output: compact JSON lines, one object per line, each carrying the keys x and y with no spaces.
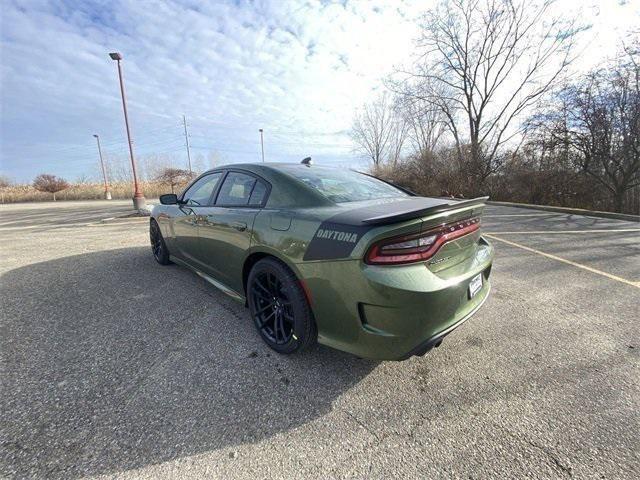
{"x":407,"y":284}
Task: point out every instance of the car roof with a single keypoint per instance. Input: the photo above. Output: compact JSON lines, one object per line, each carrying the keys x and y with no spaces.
{"x":269,"y":166}
{"x":290,"y":191}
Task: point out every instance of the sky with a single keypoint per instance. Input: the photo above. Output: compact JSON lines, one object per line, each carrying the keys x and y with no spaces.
{"x":297,"y":69}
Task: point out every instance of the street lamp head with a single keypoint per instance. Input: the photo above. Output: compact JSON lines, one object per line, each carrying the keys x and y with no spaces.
{"x":115,"y":56}
{"x":95,"y":135}
{"x":260,"y":130}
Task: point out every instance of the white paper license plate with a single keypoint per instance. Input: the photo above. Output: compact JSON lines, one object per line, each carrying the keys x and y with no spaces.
{"x":475,"y":285}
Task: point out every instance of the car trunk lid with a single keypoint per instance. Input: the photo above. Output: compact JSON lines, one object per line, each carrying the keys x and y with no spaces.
{"x":339,"y":234}
{"x":451,"y":228}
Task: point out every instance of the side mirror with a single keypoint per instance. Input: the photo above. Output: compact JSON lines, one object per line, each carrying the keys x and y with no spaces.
{"x":169,"y":199}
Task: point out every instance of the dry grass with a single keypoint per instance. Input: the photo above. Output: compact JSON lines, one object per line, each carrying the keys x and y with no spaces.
{"x":83,"y":191}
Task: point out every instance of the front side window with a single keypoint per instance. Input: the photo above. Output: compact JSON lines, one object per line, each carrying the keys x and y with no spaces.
{"x":200,"y":192}
{"x":343,"y":185}
{"x":236,"y":190}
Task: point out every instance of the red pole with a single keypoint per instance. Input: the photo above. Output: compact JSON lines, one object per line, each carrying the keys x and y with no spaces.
{"x":138,"y":197}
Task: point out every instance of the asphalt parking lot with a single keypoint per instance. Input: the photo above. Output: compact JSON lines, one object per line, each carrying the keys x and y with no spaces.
{"x":115,"y":366}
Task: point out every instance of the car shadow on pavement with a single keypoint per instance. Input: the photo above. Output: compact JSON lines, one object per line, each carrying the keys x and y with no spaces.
{"x":112,"y":362}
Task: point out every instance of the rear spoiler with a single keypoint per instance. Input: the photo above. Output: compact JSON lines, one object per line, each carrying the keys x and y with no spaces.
{"x":409,"y":213}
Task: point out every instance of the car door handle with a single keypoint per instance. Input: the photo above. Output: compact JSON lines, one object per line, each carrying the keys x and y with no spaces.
{"x":240,"y":226}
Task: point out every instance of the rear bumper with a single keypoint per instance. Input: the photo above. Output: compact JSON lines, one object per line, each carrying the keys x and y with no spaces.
{"x":392,"y":313}
{"x":436,"y":340}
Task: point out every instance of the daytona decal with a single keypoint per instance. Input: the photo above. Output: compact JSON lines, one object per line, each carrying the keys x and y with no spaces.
{"x":334,"y":240}
{"x":335,"y":235}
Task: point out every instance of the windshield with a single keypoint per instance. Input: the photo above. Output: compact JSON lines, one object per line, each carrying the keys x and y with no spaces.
{"x":344,"y":185}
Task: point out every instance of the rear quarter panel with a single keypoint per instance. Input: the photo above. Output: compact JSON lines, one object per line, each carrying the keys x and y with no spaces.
{"x":284,"y":234}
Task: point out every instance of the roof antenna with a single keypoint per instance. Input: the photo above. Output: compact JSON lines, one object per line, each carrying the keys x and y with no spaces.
{"x":307,"y":161}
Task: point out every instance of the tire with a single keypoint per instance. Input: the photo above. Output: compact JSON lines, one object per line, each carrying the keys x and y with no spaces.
{"x":279,"y":307}
{"x":158,"y":245}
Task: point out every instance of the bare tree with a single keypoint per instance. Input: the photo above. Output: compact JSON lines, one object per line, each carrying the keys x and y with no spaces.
{"x":604,"y":126}
{"x":199,"y":162}
{"x":118,"y":168}
{"x":398,"y":137}
{"x":50,"y":184}
{"x":425,"y":124}
{"x":483,"y":64}
{"x":378,"y":131}
{"x":83,"y":179}
{"x":174,"y":177}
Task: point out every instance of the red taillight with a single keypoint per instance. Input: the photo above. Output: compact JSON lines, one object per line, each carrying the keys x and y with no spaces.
{"x":418,"y":247}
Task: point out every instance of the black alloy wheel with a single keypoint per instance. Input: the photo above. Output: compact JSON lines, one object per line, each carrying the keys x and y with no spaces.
{"x":273,"y":313}
{"x":279,"y":307}
{"x":158,"y":246}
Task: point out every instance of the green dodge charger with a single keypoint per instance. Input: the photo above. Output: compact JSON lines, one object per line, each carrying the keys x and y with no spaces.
{"x":330,"y":255}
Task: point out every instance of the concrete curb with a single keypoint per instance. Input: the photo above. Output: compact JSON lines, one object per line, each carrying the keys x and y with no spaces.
{"x":573,"y":211}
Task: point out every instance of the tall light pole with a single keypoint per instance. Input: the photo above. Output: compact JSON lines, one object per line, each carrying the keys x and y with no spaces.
{"x":139,"y":201}
{"x":262,"y":144}
{"x":107,"y":193}
{"x":186,"y":137}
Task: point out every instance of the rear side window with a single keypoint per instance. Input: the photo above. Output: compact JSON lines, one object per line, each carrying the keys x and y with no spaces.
{"x":236,"y":189}
{"x":200,"y":192}
{"x":259,"y":193}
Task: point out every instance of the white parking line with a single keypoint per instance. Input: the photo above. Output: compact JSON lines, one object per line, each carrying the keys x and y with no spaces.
{"x":568,"y":262}
{"x":6,"y":229}
{"x":544,"y":232}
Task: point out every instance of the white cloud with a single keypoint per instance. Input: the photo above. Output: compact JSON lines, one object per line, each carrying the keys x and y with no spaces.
{"x":296,"y":69}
